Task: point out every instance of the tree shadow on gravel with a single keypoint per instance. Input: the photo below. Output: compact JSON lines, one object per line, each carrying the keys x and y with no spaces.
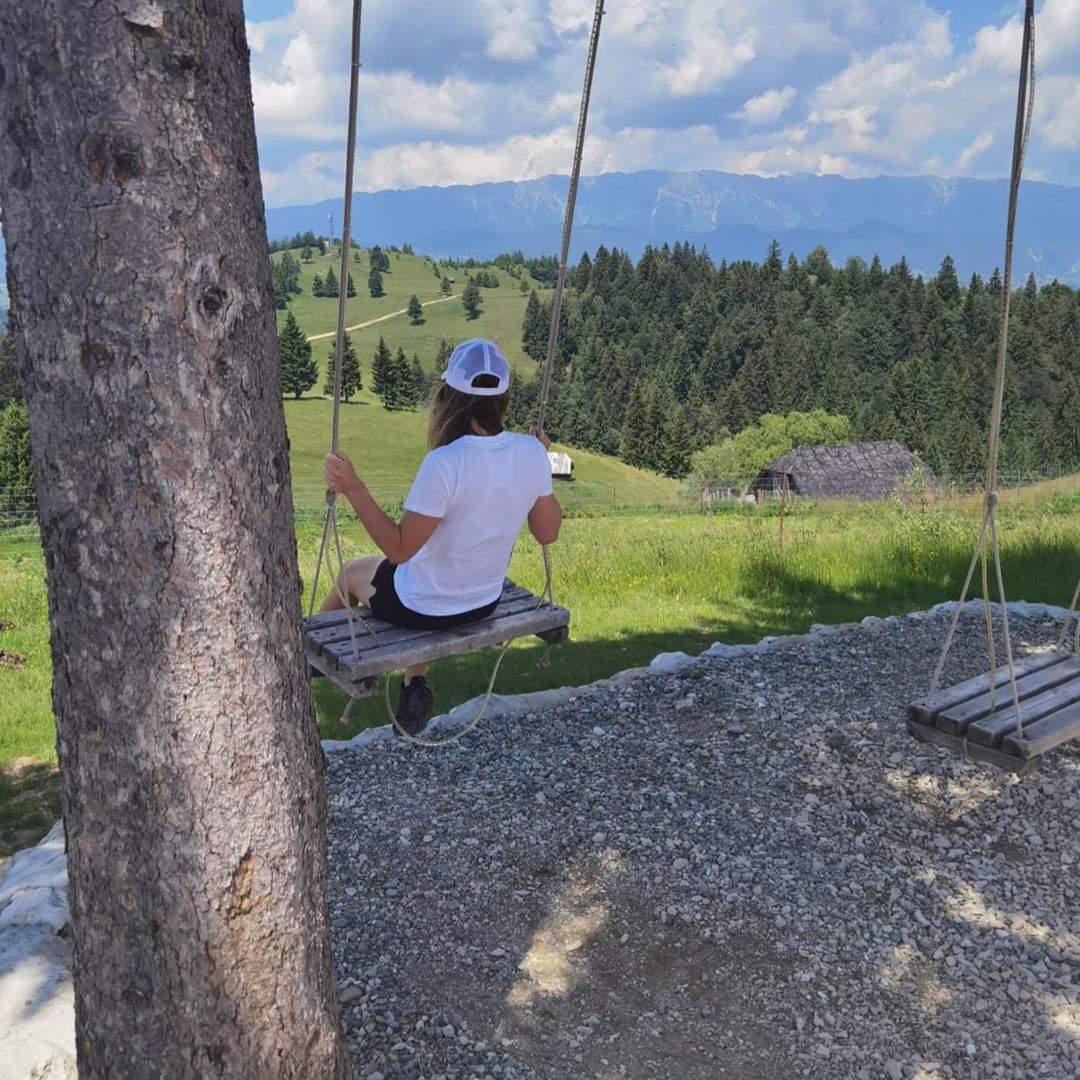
{"x":604,"y":988}
{"x":29,"y":803}
{"x":976,"y":928}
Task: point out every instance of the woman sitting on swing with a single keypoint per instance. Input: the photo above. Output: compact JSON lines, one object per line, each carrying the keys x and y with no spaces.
{"x":447,"y":557}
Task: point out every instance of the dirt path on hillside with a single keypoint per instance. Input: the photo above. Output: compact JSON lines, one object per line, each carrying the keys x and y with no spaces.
{"x":383,"y":318}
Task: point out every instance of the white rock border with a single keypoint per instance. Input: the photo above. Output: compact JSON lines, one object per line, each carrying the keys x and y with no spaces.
{"x":33,"y":888}
{"x":515,"y":706}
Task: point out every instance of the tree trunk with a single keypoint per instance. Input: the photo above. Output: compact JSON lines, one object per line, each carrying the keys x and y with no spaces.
{"x":191,"y":769}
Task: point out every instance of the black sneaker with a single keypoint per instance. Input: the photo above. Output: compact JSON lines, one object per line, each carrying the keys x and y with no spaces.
{"x":414,"y":706}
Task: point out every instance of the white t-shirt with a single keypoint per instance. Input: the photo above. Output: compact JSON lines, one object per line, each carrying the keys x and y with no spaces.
{"x":482,"y":487}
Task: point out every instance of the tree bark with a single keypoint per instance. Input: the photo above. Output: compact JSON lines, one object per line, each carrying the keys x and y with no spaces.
{"x":191,"y":769}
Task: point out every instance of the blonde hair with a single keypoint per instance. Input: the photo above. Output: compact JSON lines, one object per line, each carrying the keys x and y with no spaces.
{"x":453,"y":412}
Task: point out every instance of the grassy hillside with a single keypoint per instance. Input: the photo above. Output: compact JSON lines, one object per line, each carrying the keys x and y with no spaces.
{"x":387,"y":446}
{"x":499,"y":320}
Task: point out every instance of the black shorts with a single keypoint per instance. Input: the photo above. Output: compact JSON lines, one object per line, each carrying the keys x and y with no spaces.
{"x":385,"y":604}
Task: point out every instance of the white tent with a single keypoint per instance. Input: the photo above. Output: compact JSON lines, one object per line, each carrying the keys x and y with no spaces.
{"x":562,"y":467}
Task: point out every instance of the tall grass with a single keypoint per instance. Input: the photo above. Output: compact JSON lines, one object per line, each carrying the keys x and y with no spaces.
{"x":637,"y":586}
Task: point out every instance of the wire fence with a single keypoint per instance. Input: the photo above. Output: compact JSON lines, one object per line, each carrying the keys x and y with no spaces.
{"x":592,"y":497}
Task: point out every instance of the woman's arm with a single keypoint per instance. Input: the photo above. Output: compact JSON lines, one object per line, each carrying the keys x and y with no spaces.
{"x":398,"y":541}
{"x":545,"y":519}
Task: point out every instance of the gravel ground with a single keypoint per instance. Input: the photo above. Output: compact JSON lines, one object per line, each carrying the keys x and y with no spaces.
{"x":745,"y":870}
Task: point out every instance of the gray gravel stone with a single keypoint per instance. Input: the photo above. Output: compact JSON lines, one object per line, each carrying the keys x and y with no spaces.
{"x":821,"y":897}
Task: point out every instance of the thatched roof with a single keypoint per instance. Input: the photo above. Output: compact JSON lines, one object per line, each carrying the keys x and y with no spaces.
{"x":871,"y":470}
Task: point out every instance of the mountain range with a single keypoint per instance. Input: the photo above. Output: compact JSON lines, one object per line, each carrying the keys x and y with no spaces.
{"x":735,"y":216}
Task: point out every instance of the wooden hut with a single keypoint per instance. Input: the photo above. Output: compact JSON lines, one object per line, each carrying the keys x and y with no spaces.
{"x":870,"y":470}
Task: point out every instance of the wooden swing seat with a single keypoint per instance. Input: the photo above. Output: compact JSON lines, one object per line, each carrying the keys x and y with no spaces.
{"x":965,"y":717}
{"x":382,"y":647}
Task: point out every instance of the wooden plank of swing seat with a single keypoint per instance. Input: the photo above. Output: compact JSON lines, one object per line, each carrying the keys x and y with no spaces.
{"x":372,"y":632}
{"x":993,"y":729}
{"x":957,"y":719}
{"x":346,"y":655}
{"x":424,"y":646}
{"x":927,"y":710}
{"x":355,"y":689}
{"x":391,"y":648}
{"x":986,"y":754}
{"x":1043,"y":735}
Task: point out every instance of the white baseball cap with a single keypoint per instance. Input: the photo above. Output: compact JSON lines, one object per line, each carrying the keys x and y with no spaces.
{"x":473,"y":358}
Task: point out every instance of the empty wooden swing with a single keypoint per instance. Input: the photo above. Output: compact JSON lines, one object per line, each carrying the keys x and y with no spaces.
{"x":352,"y":648}
{"x":1014,"y":714}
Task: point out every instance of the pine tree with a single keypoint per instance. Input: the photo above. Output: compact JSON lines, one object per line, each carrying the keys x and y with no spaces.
{"x":379,"y":260}
{"x":446,"y":286}
{"x":773,"y":266}
{"x":538,"y":328}
{"x":382,"y":374}
{"x":281,"y":291}
{"x":528,"y":325}
{"x":351,"y":288}
{"x":634,"y":440}
{"x":16,"y":464}
{"x":299,"y":372}
{"x":317,"y":287}
{"x":290,"y":272}
{"x":9,"y":383}
{"x":415,"y":310}
{"x":305,"y":254}
{"x":442,"y":354}
{"x":330,"y":283}
{"x":471,"y":300}
{"x":947,"y":283}
{"x":405,"y":394}
{"x":375,"y":283}
{"x":351,"y":379}
{"x":419,"y":379}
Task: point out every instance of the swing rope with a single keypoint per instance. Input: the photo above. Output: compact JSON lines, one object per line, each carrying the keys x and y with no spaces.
{"x":988,"y":546}
{"x":568,"y":218}
{"x":330,"y":522}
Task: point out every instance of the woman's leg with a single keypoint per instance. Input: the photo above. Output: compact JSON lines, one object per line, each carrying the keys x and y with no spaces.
{"x":355,"y":582}
{"x":417,"y":671}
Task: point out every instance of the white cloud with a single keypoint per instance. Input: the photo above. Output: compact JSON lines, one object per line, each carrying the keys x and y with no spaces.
{"x":297,"y":101}
{"x":707,"y":64}
{"x":307,"y":179}
{"x":766,"y":108}
{"x":517,"y":29}
{"x":1061,"y":124}
{"x":568,"y":16}
{"x":710,"y":48}
{"x":983,"y":141}
{"x":777,"y":160}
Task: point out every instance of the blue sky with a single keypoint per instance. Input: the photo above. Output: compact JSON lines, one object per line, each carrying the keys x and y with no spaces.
{"x":462,"y":92}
